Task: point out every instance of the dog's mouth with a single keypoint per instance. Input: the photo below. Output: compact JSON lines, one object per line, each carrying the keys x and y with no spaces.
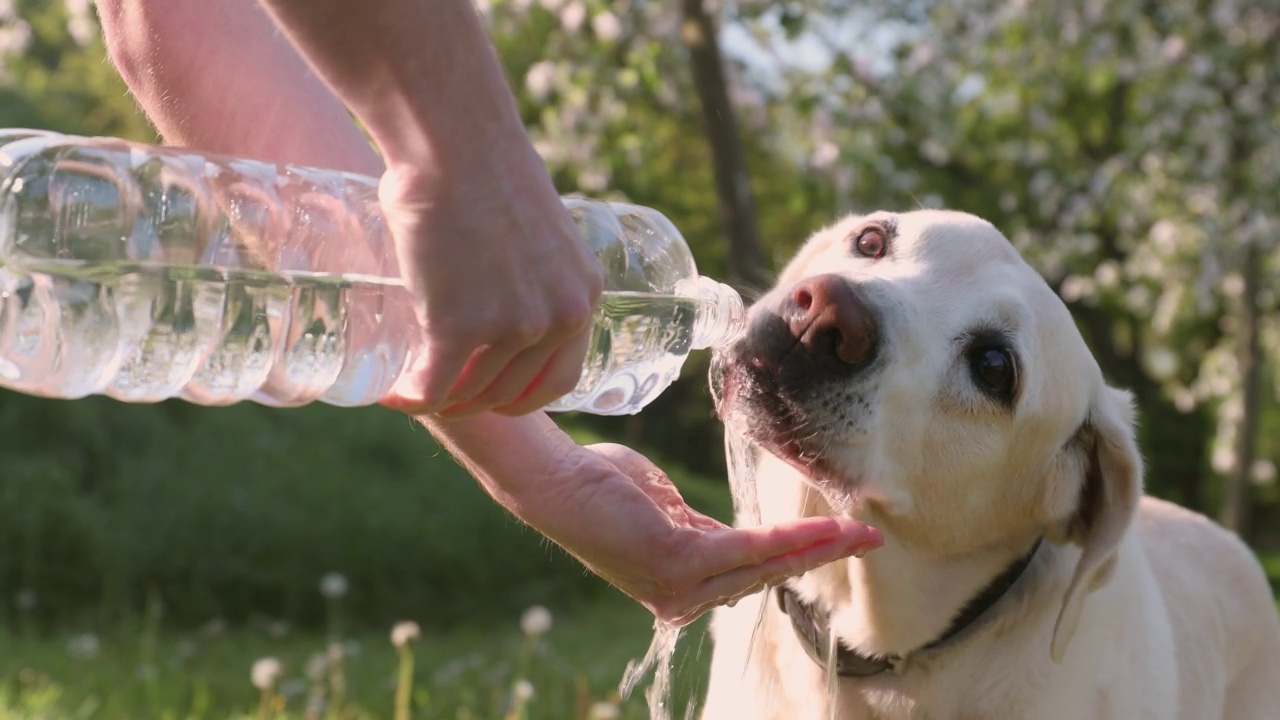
{"x":751,"y":404}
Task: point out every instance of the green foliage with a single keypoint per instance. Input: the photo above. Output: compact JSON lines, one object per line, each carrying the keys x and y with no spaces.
{"x":59,"y":83}
{"x":239,"y":511}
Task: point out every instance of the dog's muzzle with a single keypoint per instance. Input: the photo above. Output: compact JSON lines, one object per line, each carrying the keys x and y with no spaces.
{"x":821,"y":330}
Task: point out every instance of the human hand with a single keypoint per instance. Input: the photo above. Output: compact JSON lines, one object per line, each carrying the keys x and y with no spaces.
{"x":624,"y":520}
{"x":505,"y":286}
{"x":641,"y":536}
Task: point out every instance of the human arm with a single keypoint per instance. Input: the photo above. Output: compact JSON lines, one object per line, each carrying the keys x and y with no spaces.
{"x":506,"y":286}
{"x":605,"y":505}
{"x":625,"y":521}
{"x":220,"y":77}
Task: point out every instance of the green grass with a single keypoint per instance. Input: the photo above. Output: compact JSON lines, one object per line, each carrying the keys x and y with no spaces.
{"x":465,"y":672}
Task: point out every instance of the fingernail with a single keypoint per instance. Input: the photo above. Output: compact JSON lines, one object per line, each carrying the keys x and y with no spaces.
{"x":870,"y":540}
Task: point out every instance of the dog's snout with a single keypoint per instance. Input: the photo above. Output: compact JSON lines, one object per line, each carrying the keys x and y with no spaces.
{"x":830,"y":321}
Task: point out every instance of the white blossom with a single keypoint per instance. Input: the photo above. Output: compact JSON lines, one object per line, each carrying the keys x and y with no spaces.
{"x":606,"y":26}
{"x":572,"y":16}
{"x":539,"y":79}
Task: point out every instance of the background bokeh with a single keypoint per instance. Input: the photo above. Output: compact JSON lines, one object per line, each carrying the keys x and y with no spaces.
{"x":1131,"y":150}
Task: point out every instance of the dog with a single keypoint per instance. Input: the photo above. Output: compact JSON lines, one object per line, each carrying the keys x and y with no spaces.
{"x":914,"y":372}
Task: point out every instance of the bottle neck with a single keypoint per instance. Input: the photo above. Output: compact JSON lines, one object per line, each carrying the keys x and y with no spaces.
{"x":721,"y":316}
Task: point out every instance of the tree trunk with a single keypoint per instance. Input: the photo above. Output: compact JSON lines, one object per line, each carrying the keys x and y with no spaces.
{"x":1237,"y":505}
{"x":733,"y":183}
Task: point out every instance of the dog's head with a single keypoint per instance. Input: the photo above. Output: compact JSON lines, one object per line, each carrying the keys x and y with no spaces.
{"x":915,"y":363}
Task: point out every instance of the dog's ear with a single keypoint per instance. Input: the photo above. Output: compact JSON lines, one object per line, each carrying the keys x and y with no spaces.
{"x":1109,"y":499}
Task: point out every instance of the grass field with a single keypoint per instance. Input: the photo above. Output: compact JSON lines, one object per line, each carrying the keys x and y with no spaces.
{"x":138,"y":668}
{"x":467,"y":672}
{"x":463,"y":673}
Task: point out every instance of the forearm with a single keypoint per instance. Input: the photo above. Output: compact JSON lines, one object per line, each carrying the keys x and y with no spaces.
{"x":511,"y":458}
{"x":420,"y":74}
{"x":217,"y":75}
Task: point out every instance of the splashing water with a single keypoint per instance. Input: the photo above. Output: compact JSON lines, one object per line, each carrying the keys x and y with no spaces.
{"x":658,"y":658}
{"x":741,"y":456}
{"x":741,"y":460}
{"x":739,"y":452}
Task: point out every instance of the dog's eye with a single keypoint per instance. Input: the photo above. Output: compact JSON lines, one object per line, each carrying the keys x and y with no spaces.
{"x":871,"y":243}
{"x":994,"y":370}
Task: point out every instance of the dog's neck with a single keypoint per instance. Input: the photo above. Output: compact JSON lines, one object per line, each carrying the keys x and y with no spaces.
{"x":899,"y":599}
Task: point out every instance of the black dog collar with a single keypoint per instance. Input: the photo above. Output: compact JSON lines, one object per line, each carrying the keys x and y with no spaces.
{"x":814,"y":632}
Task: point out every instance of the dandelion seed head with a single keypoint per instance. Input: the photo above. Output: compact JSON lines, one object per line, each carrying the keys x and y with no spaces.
{"x":317,"y":665}
{"x":293,"y":688}
{"x":185,"y":649}
{"x":404,"y":633}
{"x":84,"y":646}
{"x":333,"y":585}
{"x":603,"y":710}
{"x":522,"y":690}
{"x":26,"y":600}
{"x":214,"y":627}
{"x":536,"y":621}
{"x":335,"y":652}
{"x":265,"y":672}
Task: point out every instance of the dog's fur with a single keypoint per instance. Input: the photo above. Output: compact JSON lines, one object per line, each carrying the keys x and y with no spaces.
{"x":1132,"y":607}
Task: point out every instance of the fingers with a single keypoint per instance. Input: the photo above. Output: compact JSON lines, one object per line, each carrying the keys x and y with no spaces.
{"x":512,"y":377}
{"x":560,"y":377}
{"x":516,"y":376}
{"x":487,"y":366}
{"x":736,"y":563}
{"x":757,"y":545}
{"x":557,"y":377}
{"x":436,"y":371}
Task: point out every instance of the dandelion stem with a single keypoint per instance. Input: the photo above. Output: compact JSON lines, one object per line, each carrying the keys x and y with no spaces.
{"x":404,"y":682}
{"x":264,"y":704}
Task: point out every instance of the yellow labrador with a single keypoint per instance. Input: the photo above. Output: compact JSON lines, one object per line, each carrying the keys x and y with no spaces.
{"x":912,"y":370}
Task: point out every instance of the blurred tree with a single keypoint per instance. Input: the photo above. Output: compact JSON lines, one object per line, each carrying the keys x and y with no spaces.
{"x":699,"y":31}
{"x":53,"y":75}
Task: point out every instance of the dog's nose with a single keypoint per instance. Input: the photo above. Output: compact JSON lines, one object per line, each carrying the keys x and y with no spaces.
{"x":830,"y":321}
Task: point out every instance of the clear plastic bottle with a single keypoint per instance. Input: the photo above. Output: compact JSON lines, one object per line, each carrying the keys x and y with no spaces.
{"x":146,"y":273}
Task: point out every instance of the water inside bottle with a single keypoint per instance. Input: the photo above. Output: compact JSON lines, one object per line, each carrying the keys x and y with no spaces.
{"x":144,"y":333}
{"x":638,"y":346}
{"x":147,"y":332}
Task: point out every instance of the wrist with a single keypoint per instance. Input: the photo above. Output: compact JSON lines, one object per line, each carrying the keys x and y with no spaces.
{"x":446,"y":106}
{"x":511,"y":457}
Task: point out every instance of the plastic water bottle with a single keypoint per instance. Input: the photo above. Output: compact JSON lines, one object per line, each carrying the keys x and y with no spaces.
{"x":146,"y":273}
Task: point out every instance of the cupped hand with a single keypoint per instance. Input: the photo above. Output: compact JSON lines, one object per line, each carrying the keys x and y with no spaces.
{"x":622,"y":517}
{"x":505,"y":286}
{"x":646,"y":541}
